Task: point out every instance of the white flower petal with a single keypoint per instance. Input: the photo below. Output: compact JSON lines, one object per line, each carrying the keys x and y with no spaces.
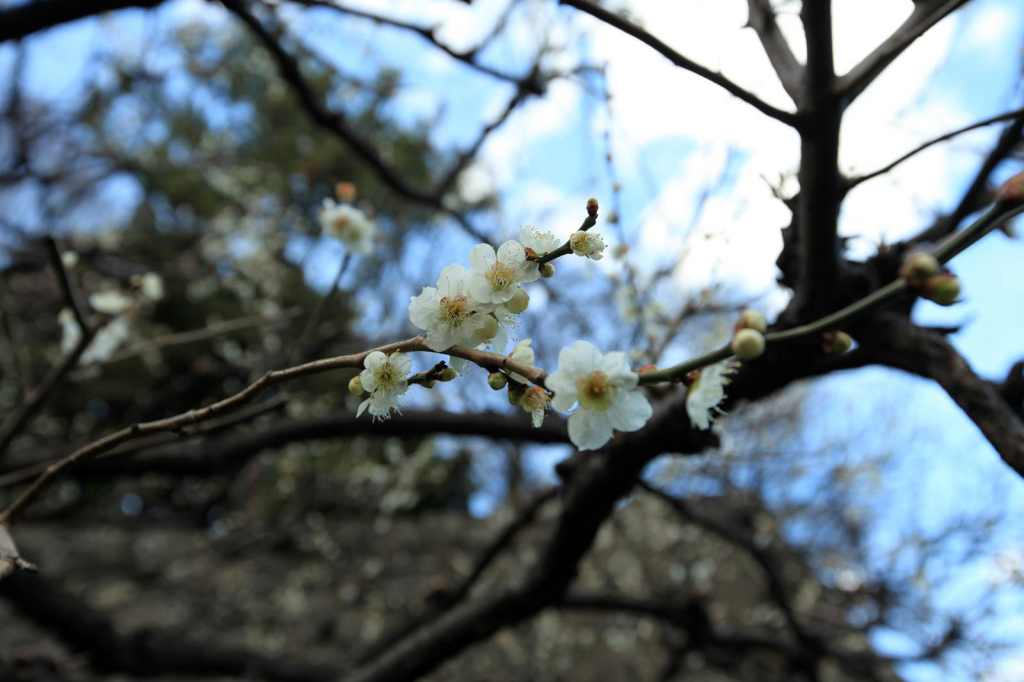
{"x":423,"y":309}
{"x":563,"y":383}
{"x":589,"y":429}
{"x":480,"y":289}
{"x":451,"y":281}
{"x":362,"y":407}
{"x":582,"y":358}
{"x":401,"y":363}
{"x":629,"y":411}
{"x":375,"y":360}
{"x":368,"y":379}
{"x":481,"y":258}
{"x":510,"y":253}
{"x":615,"y":365}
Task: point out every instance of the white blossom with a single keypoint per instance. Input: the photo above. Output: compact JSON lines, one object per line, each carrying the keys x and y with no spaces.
{"x":496,"y":277}
{"x":588,"y":244}
{"x":111,"y":302}
{"x":706,"y":392}
{"x":152,"y":286}
{"x":349,"y":224}
{"x":541,"y":243}
{"x":385,"y":379}
{"x":448,"y":314}
{"x":603,"y":385}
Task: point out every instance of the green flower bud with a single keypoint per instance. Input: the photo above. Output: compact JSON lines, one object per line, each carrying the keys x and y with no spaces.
{"x":751,"y":319}
{"x":355,"y":385}
{"x":518,"y":303}
{"x":497,"y":381}
{"x":447,"y":374}
{"x":943,"y":289}
{"x":428,"y":384}
{"x":547,"y":270}
{"x":918,"y":267}
{"x":488,"y":330}
{"x":515,"y":396}
{"x":747,"y":344}
{"x":835,"y":343}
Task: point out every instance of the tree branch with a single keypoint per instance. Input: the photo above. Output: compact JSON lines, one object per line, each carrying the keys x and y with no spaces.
{"x":679,"y":60}
{"x":1015,"y":114}
{"x":898,"y":343}
{"x":26,"y":19}
{"x":926,"y":14}
{"x":761,"y":18}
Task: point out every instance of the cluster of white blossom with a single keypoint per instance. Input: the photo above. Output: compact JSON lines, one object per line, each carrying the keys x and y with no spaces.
{"x":478,"y":306}
{"x":117,"y":306}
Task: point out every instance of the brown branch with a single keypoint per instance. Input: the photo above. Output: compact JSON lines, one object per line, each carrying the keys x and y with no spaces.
{"x":761,"y":18}
{"x":467,"y":57}
{"x":26,"y":19}
{"x":679,"y":60}
{"x":897,"y":343}
{"x":926,"y":14}
{"x":1015,"y":114}
{"x":492,"y":361}
{"x":976,"y":195}
{"x":336,"y":123}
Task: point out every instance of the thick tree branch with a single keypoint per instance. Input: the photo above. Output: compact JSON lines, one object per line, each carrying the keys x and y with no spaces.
{"x":817,"y":207}
{"x":898,"y":343}
{"x":679,"y":60}
{"x":926,"y":14}
{"x":761,"y":18}
{"x":26,"y":19}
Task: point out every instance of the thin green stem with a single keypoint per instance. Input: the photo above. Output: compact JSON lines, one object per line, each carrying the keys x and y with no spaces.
{"x":956,"y":244}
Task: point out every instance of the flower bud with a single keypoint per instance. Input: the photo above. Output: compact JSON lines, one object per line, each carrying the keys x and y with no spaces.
{"x":489,"y":328}
{"x":835,"y":343}
{"x":355,"y":385}
{"x":515,"y":396}
{"x":747,"y":344}
{"x":428,"y":384}
{"x":943,"y":289}
{"x":918,"y":267}
{"x":497,"y":381}
{"x":534,"y":398}
{"x":751,"y":319}
{"x":547,"y":270}
{"x":447,"y":374}
{"x":519,"y":301}
{"x":345,"y":191}
{"x":691,"y":378}
{"x":592,"y":207}
{"x":1012,"y":189}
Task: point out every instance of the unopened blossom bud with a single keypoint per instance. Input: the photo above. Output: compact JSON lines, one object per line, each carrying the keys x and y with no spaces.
{"x":515,"y":396}
{"x":592,"y":207}
{"x":497,"y":381}
{"x":751,"y":319}
{"x":447,"y":374}
{"x":355,"y":385}
{"x":943,"y":289}
{"x":489,"y":328}
{"x":547,"y":270}
{"x":747,"y":344}
{"x":691,"y":378}
{"x":519,"y":301}
{"x":835,"y":343}
{"x":1012,"y":189}
{"x":428,"y":384}
{"x":345,"y":191}
{"x":534,"y":398}
{"x":918,"y":267}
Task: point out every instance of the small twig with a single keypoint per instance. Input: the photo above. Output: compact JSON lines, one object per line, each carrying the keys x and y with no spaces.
{"x":67,"y":289}
{"x":318,"y":311}
{"x":854,"y":181}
